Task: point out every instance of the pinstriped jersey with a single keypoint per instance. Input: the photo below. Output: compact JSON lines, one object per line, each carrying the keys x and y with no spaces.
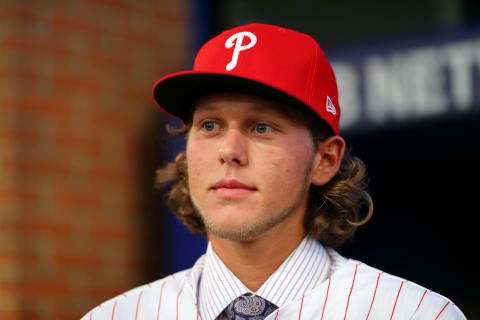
{"x":354,"y":290}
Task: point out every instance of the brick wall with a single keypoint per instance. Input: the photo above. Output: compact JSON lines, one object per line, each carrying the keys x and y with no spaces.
{"x":75,"y":95}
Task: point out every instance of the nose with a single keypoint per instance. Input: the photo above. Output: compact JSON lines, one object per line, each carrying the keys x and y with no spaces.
{"x":233,"y":148}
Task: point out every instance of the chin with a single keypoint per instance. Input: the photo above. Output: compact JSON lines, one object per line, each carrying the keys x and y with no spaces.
{"x":233,"y":215}
{"x":239,"y":230}
{"x":228,"y":226}
{"x":225,"y":225}
{"x":237,"y":234}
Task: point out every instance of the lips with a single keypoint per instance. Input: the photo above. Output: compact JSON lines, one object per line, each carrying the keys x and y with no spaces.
{"x":232,"y":190}
{"x":232,"y":184}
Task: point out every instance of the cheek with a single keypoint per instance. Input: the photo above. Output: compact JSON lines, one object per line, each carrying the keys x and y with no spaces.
{"x":201,"y":164}
{"x":283,"y":167}
{"x":285,"y":171}
{"x":198,"y":152}
{"x":295,"y":162}
{"x":195,"y":162}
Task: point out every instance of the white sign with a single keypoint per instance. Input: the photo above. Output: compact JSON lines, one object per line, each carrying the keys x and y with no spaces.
{"x":410,"y":84}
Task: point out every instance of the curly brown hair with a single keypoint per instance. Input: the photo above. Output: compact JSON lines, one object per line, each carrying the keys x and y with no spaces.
{"x":333,"y":210}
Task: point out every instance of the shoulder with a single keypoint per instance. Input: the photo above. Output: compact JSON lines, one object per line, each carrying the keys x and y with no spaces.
{"x":362,"y":289}
{"x":151,"y":294}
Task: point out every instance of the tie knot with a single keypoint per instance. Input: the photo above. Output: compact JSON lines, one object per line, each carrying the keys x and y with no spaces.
{"x":248,"y":307}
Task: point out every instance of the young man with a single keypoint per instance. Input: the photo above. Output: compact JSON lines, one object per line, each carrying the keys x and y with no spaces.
{"x":266,"y":178}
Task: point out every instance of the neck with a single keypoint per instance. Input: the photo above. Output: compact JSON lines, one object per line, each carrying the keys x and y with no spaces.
{"x":273,"y":248}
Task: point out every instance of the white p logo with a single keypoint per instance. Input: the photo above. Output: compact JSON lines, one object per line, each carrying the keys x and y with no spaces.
{"x":238,"y":46}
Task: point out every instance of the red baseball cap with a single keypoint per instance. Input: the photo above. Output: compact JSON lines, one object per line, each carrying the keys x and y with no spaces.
{"x":269,"y":61}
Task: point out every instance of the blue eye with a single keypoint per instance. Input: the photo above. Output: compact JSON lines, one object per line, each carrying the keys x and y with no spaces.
{"x":209,"y":126}
{"x":262,"y":128}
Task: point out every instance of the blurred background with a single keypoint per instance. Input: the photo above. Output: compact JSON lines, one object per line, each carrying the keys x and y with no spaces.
{"x":80,"y":139}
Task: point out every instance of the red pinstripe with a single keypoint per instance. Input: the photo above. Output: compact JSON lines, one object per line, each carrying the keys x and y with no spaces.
{"x":351,"y":289}
{"x":138,"y":304}
{"x":301,"y":306}
{"x":180,"y":292}
{"x":113,"y":310}
{"x":326,"y":297}
{"x":398,"y":294}
{"x":421,"y":299}
{"x":197,"y":315}
{"x":160,"y":300}
{"x":91,"y":315}
{"x":277,"y":314}
{"x":442,"y":310}
{"x":423,"y":295}
{"x":374,"y":293}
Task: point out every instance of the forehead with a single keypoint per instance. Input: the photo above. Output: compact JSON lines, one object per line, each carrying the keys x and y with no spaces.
{"x":233,"y":102}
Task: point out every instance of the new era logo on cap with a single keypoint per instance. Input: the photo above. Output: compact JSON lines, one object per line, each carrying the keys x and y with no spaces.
{"x":331,"y":107}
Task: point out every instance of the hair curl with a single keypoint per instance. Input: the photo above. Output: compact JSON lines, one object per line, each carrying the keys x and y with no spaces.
{"x":333,"y":210}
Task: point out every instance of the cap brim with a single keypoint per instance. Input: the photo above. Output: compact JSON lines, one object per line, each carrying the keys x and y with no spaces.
{"x":176,"y":93}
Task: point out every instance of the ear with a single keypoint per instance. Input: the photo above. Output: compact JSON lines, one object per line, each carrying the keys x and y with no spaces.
{"x":327,"y":160}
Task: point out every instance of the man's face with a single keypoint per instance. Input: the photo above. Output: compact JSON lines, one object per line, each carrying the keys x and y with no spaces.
{"x":249,"y":165}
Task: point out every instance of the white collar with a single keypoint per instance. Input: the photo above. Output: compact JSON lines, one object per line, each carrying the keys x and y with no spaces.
{"x":304,"y":269}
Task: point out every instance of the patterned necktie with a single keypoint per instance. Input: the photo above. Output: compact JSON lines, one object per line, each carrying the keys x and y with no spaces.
{"x":247,"y":307}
